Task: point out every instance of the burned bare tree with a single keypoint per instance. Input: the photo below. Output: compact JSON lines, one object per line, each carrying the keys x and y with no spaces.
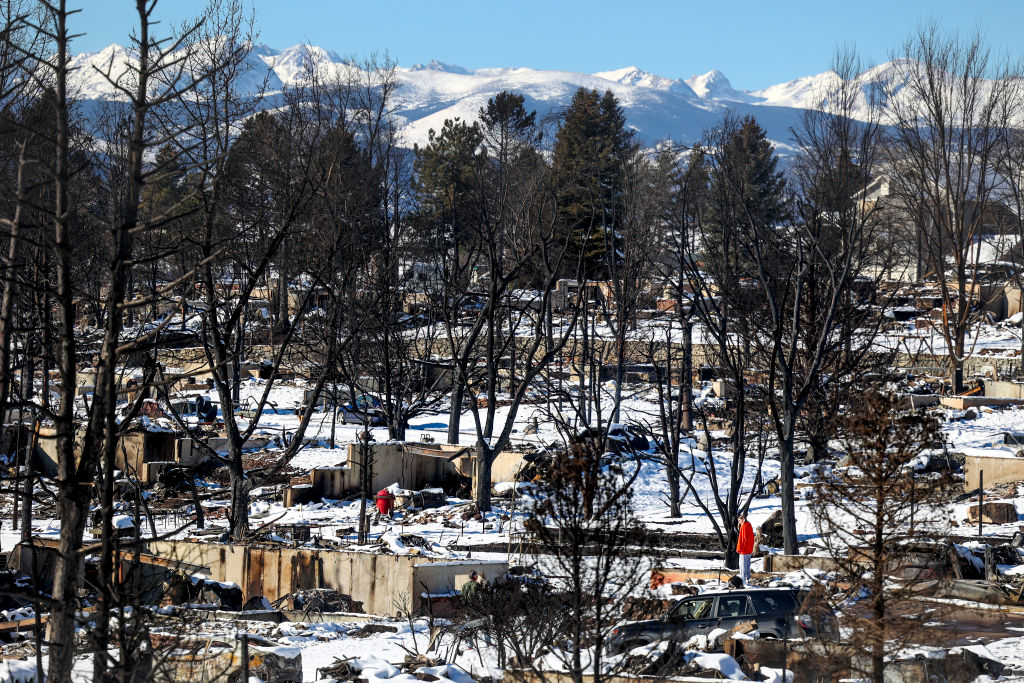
{"x":253,"y":193}
{"x":521,"y":615}
{"x":950,"y":105}
{"x":399,"y":337}
{"x":19,"y":45}
{"x":671,"y":343}
{"x":865,"y":512}
{"x":583,"y":517}
{"x":632,"y":246}
{"x":446,"y":187}
{"x":820,"y":275}
{"x":745,"y":203}
{"x":76,"y":200}
{"x":53,"y":75}
{"x":62,"y":211}
{"x":509,"y":238}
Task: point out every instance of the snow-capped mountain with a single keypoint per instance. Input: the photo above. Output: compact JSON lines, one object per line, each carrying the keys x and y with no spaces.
{"x":657,"y":107}
{"x":714,"y":85}
{"x":434,"y":65}
{"x":803,"y":93}
{"x":633,"y":76}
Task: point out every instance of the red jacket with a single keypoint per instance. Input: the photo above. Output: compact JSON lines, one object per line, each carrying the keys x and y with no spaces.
{"x":385,"y":501}
{"x":745,"y":543}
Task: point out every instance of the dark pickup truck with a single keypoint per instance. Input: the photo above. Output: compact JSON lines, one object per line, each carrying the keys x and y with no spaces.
{"x":779,"y":613}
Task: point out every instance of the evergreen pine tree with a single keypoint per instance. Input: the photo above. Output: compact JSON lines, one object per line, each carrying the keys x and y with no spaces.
{"x":592,"y":148}
{"x":507,"y":125}
{"x":447,"y":182}
{"x":747,"y":196}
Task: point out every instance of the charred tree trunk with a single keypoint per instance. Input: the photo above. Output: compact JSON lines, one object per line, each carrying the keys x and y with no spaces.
{"x":365,"y":481}
{"x":74,"y":492}
{"x":238,"y":519}
{"x":455,"y":417}
{"x":686,"y":375}
{"x":482,"y":477}
{"x":10,"y":266}
{"x":786,"y":476}
{"x":73,"y":508}
{"x":674,"y":497}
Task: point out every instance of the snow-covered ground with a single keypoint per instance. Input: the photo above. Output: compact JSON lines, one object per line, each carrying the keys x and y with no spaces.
{"x":322,"y":644}
{"x":650,"y":502}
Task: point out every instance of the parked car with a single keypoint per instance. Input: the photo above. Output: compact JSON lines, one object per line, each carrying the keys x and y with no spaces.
{"x":622,"y":439}
{"x":777,"y":611}
{"x":365,"y":408}
{"x":348,"y":414}
{"x":188,"y":660}
{"x":329,"y":397}
{"x":198,"y":407}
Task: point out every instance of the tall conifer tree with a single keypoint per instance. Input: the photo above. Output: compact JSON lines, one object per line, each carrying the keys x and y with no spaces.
{"x":591,"y":151}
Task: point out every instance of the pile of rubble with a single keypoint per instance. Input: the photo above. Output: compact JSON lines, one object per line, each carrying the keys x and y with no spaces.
{"x":451,"y":516}
{"x":24,"y":650}
{"x":372,"y":629}
{"x":342,"y":670}
{"x":317,"y":600}
{"x":670,"y":660}
{"x":420,"y":666}
{"x":411,"y":544}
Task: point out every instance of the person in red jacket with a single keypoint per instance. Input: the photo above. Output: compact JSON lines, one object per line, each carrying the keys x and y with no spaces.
{"x":745,"y":547}
{"x":385,"y":502}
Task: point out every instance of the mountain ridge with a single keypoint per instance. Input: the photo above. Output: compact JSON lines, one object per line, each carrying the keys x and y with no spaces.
{"x":658,"y":108}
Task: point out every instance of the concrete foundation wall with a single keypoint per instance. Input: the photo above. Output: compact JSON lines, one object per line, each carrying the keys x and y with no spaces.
{"x":393,"y":463}
{"x":135,"y":448}
{"x":963,"y":402}
{"x":376,"y":583}
{"x":412,"y":466}
{"x":506,"y":466}
{"x":915,"y":401}
{"x":1004,"y":389}
{"x":136,"y":451}
{"x":792,"y":563}
{"x":187,"y":454}
{"x":446,"y":576}
{"x":220,"y":443}
{"x":997,"y":470}
{"x":46,"y":450}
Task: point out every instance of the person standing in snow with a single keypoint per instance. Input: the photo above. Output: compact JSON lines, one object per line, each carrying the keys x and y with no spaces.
{"x":385,"y":503}
{"x":745,"y":547}
{"x":471,"y":587}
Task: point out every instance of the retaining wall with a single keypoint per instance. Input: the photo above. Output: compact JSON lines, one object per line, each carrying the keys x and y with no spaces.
{"x":998,"y":470}
{"x":376,"y":583}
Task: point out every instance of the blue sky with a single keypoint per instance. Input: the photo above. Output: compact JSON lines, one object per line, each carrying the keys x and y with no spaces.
{"x":754,"y":43}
